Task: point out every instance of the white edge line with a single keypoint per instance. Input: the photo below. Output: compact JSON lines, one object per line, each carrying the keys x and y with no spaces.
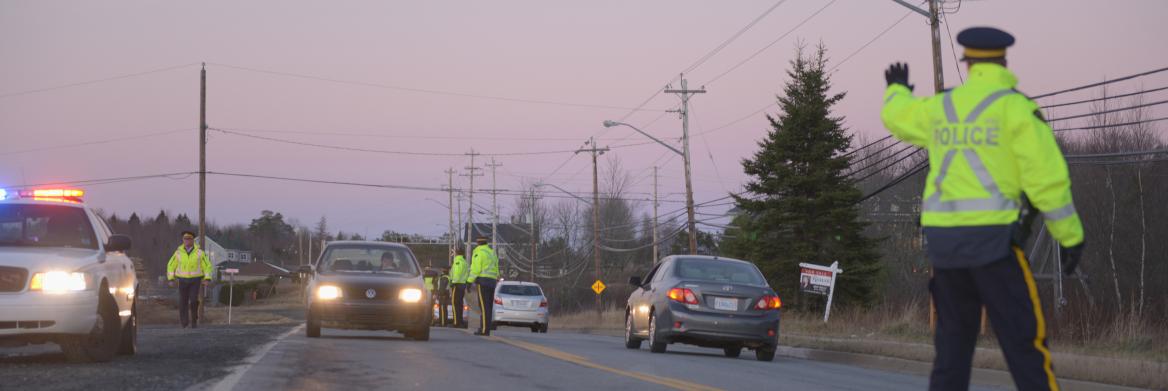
{"x":229,"y":382}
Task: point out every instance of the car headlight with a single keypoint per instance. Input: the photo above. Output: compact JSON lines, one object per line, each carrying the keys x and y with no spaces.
{"x":328,"y":292}
{"x":57,"y":282}
{"x":410,"y":295}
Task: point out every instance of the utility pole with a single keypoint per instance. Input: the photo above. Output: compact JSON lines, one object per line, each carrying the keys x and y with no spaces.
{"x":595,"y":211}
{"x":203,"y":157}
{"x":470,"y":208}
{"x":531,"y":222}
{"x":655,"y":244}
{"x":934,"y":15}
{"x":684,"y":93}
{"x":494,"y":205}
{"x":450,"y":206}
{"x":459,"y":214}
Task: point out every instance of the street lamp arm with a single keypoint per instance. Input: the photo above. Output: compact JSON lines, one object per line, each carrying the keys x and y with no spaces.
{"x":609,"y":124}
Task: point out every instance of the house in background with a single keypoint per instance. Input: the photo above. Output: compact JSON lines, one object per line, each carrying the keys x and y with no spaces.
{"x":219,"y":255}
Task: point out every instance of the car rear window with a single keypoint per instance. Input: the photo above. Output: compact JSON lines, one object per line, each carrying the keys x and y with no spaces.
{"x":520,"y":290}
{"x":368,"y":259}
{"x":719,"y":271}
{"x":45,"y":226}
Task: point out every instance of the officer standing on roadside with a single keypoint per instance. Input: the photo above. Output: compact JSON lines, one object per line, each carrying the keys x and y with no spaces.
{"x":458,"y":277}
{"x":990,"y":152}
{"x":484,"y":273}
{"x":192,"y":268}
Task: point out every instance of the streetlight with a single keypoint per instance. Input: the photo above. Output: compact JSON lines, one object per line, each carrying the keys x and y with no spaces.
{"x":689,"y":202}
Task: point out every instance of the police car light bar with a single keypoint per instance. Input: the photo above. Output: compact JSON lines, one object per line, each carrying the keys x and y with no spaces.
{"x":3,"y":194}
{"x":67,"y":195}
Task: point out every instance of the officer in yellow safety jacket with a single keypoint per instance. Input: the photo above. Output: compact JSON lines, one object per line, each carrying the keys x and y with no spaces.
{"x":484,"y":274}
{"x":192,"y":268}
{"x":990,"y":153}
{"x":458,"y":275}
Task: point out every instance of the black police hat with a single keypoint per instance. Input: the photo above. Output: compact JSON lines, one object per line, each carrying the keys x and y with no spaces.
{"x":482,"y":240}
{"x":191,"y":234}
{"x":984,"y":42}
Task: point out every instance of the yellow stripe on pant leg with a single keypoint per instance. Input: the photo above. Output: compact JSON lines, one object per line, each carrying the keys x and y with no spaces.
{"x":1041,"y":335}
{"x":482,"y":310}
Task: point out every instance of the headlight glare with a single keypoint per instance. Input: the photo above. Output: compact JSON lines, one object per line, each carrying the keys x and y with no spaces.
{"x":328,"y":292}
{"x":410,"y":295}
{"x":57,"y":282}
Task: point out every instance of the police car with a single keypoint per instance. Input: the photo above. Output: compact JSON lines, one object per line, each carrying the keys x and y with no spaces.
{"x":64,"y":277}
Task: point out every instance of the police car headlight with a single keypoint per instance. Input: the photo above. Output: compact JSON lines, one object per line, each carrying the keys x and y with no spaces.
{"x":410,"y":295}
{"x":328,"y":292}
{"x":57,"y":282}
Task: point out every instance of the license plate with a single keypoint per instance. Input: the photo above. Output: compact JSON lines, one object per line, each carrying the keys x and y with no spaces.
{"x":519,"y":303}
{"x":725,"y":304}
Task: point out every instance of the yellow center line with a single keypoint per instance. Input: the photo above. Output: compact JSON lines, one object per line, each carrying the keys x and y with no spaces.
{"x":581,"y":361}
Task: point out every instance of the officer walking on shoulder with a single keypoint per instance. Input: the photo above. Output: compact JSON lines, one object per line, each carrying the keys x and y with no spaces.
{"x":192,"y":268}
{"x":990,"y":153}
{"x":458,"y":277}
{"x":484,"y":273}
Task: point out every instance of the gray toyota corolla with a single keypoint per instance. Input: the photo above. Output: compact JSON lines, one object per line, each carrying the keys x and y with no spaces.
{"x":706,"y":301}
{"x":368,"y":286}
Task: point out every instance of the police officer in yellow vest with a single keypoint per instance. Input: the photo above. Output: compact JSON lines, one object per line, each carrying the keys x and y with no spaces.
{"x":484,"y":274}
{"x":990,"y":153}
{"x":458,"y":277}
{"x":192,"y":268}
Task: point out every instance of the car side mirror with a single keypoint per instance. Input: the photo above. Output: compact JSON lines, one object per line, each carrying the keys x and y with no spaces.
{"x":117,"y":243}
{"x":635,"y":281}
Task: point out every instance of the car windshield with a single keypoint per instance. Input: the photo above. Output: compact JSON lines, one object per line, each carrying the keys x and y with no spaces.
{"x":45,"y":226}
{"x":369,"y":259}
{"x":520,"y":290}
{"x":719,"y":271}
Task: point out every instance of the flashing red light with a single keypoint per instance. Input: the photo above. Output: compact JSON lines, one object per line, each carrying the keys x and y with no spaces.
{"x":59,"y":195}
{"x":683,"y":295}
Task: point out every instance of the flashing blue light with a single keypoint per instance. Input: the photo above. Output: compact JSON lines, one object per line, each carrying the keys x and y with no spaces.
{"x":3,"y":194}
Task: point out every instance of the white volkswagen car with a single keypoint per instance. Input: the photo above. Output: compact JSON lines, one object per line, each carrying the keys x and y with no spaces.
{"x":521,"y":304}
{"x":64,"y":277}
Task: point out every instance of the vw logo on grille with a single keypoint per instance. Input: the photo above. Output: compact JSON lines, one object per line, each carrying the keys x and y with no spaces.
{"x":370,"y":293}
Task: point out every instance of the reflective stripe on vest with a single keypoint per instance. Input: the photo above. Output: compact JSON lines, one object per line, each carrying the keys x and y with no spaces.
{"x":198,"y":272}
{"x":996,"y":201}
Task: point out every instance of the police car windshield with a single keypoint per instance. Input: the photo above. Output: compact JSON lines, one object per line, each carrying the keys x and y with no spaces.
{"x":45,"y":226}
{"x":369,"y":259}
{"x":520,"y":290}
{"x":719,"y":271}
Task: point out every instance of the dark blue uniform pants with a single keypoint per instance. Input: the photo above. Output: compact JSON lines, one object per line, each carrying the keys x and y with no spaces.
{"x":459,"y":291}
{"x":188,"y":300}
{"x":486,"y":291}
{"x":1007,"y":290}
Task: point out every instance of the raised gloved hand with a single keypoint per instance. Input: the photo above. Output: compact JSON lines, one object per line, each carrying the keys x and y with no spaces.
{"x":1070,"y":257}
{"x":897,"y":73}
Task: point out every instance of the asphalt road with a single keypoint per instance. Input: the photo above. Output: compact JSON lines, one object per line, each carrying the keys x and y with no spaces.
{"x":516,"y":359}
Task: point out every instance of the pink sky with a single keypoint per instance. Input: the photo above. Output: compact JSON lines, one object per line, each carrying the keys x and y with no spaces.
{"x":614,"y":53}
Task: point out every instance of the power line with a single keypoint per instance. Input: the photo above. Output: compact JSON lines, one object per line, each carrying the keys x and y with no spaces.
{"x":1103,"y":98}
{"x":1113,"y":125}
{"x":396,"y":136}
{"x":430,"y":91}
{"x":112,"y":78}
{"x":1083,"y":87}
{"x":953,"y":46}
{"x":1109,"y":111}
{"x":97,"y":142}
{"x":768,"y":46}
{"x":890,"y":165}
{"x":86,"y":182}
{"x":727,"y":42}
{"x":865,"y":46}
{"x":882,"y":160}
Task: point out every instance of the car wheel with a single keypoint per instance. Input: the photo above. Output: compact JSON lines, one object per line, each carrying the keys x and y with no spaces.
{"x":312,"y":325}
{"x":422,"y":334}
{"x":129,"y":344}
{"x":543,"y":328}
{"x":732,"y":351}
{"x":102,"y":342}
{"x":655,"y":344}
{"x":631,"y":341}
{"x":535,"y":327}
{"x":765,"y":353}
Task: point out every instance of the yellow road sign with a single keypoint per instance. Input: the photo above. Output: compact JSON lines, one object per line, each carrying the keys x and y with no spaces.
{"x":598,"y":287}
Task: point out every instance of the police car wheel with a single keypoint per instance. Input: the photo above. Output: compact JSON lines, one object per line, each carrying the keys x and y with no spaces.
{"x":312,"y":325}
{"x":101,"y":344}
{"x":535,"y":327}
{"x":543,"y":328}
{"x":129,"y":344}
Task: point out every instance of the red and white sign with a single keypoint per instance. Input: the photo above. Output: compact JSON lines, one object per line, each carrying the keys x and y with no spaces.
{"x":819,"y":280}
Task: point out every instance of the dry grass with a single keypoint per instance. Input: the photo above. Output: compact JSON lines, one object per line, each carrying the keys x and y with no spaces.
{"x":1125,"y":352}
{"x":265,"y":311}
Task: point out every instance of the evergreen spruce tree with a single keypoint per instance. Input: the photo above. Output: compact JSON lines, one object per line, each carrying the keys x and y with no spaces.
{"x":802,"y":207}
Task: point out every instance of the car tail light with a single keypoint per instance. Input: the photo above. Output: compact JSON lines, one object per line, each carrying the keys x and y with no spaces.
{"x":498,"y":301}
{"x":683,"y":295}
{"x":769,"y":302}
{"x":543,"y":304}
